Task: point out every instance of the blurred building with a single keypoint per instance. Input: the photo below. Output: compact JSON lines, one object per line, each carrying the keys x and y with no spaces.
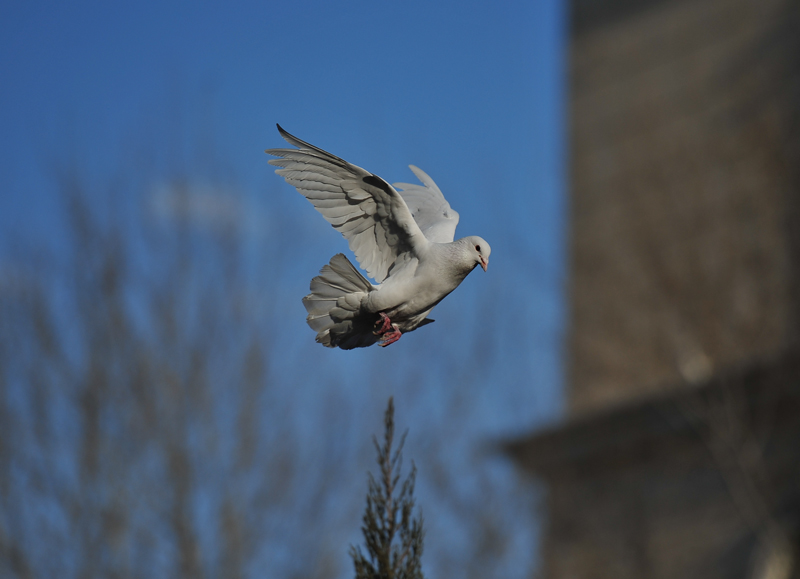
{"x":680,"y":456}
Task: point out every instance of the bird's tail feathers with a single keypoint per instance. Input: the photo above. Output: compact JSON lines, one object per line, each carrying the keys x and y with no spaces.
{"x":334,"y":304}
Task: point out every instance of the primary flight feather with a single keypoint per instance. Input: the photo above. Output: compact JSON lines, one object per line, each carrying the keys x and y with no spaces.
{"x":404,"y":240}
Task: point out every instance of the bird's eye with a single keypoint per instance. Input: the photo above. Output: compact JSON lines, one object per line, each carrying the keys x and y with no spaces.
{"x":478,"y":248}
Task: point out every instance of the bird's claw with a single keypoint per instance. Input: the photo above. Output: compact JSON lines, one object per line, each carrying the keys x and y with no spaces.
{"x":390,"y":338}
{"x":388,"y":331}
{"x":383,"y":325}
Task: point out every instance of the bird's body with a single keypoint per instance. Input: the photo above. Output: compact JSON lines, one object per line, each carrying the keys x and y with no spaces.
{"x":404,"y":241}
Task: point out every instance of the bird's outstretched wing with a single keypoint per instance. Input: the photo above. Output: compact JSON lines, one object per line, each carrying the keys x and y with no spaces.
{"x":364,"y":208}
{"x":430,"y":209}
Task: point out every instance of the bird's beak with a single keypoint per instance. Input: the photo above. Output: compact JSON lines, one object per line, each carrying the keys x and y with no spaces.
{"x":484,"y":263}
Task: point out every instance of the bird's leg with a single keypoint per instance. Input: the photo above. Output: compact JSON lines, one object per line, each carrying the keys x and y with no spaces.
{"x":390,"y":337}
{"x":385,"y":325}
{"x":388,"y":331}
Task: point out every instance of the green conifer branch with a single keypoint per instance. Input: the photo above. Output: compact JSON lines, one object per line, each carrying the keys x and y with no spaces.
{"x":392,"y":535}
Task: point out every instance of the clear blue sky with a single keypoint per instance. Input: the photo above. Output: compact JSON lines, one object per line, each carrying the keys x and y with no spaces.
{"x":471,"y":92}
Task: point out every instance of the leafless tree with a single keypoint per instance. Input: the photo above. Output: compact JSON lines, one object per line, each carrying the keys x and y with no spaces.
{"x":145,"y":430}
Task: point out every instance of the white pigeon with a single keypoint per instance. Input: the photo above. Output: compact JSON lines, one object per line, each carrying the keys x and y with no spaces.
{"x":403,"y":240}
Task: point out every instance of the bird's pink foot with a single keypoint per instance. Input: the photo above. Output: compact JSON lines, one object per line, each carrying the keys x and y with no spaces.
{"x":388,"y":331}
{"x":390,"y":338}
{"x":385,"y":325}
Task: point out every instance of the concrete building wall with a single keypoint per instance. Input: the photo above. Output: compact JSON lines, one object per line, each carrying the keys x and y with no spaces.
{"x":680,"y":456}
{"x":699,"y":483}
{"x":679,"y":248}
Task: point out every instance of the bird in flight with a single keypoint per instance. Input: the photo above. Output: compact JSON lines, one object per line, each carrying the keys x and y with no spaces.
{"x":403,"y":239}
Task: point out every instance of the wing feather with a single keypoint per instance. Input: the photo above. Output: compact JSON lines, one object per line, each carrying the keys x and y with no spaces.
{"x":368,"y":212}
{"x":430,"y":209}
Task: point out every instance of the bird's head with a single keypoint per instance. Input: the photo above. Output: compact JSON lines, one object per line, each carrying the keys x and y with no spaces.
{"x":480,"y":250}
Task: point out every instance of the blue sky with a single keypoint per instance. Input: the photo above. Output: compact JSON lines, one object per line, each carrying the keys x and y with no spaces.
{"x":471,"y":92}
{"x":466,"y":91}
